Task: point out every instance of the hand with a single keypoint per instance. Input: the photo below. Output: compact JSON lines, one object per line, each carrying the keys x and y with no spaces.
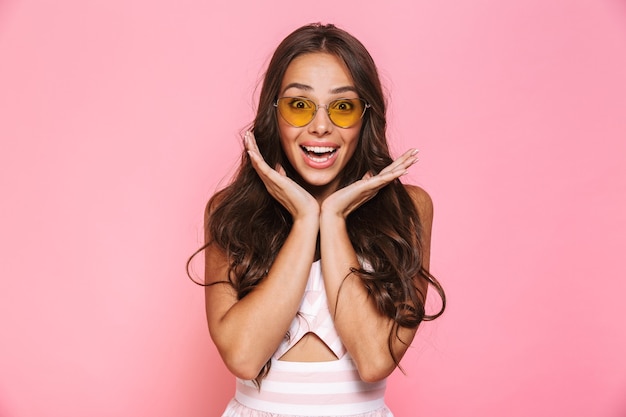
{"x":286,"y":191}
{"x":344,"y":201}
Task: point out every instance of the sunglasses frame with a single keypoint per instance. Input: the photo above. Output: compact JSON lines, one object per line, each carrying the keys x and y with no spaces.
{"x":366,"y":106}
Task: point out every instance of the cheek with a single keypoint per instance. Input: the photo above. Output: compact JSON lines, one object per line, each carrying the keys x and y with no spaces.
{"x":352,"y":140}
{"x":288,"y":134}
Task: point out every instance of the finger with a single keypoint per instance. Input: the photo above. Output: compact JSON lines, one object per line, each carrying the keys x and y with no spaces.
{"x":405,"y":160}
{"x":379,"y":181}
{"x":258,"y":162}
{"x":279,"y":168}
{"x":250,"y":141}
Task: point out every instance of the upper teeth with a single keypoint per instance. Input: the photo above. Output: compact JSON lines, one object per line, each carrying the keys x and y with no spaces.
{"x":319,"y":149}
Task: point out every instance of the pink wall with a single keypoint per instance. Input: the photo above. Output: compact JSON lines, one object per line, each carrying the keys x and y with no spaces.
{"x":119,"y":118}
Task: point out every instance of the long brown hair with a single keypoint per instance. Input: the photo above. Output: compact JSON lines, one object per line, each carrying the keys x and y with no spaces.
{"x":250,"y":226}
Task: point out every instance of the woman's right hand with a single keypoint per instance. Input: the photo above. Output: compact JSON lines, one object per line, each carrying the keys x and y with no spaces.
{"x":286,"y":191}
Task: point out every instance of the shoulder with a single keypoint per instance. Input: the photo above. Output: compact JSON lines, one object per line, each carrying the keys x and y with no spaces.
{"x":422,"y":201}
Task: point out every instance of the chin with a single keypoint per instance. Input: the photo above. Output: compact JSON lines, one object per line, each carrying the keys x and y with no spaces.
{"x":319,"y":180}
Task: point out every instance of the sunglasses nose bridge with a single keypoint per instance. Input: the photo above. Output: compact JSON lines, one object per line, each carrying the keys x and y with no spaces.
{"x":320,"y":106}
{"x":325,"y":107}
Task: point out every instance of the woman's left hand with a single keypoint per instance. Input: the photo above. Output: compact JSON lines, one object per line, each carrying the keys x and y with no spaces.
{"x":345,"y":200}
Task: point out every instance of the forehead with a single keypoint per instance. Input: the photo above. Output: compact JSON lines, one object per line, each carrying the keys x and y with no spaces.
{"x":317,"y":73}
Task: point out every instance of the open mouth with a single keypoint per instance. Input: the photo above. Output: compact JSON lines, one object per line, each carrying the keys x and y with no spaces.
{"x":319,"y":153}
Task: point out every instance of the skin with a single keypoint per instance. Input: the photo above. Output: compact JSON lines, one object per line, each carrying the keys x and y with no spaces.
{"x":239,"y":327}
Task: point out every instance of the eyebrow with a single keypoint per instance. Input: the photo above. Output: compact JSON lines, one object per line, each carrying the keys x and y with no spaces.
{"x":304,"y":87}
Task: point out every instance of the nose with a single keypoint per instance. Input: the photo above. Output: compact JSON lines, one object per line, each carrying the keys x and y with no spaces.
{"x":321,"y":124}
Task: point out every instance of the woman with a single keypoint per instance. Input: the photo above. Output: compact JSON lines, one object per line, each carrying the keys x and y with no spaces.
{"x":316,"y":255}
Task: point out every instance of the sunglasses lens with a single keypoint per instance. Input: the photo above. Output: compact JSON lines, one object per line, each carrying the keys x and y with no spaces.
{"x":346,"y":112}
{"x":296,"y":111}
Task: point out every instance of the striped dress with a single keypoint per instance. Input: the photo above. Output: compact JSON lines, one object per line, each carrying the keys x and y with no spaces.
{"x":320,"y":389}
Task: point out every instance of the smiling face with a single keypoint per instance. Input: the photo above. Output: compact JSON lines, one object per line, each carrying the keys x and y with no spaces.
{"x":320,"y":150}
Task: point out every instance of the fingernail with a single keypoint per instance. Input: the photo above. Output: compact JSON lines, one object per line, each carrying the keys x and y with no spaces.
{"x":415,"y":151}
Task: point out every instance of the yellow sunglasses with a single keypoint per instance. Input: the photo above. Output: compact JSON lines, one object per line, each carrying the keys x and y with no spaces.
{"x":300,"y":111}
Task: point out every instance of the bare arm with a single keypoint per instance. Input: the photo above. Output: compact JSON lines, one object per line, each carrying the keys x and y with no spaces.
{"x":248,"y":331}
{"x":363,"y":330}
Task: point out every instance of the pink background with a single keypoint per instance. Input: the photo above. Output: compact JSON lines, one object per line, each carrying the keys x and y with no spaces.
{"x":118,"y":119}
